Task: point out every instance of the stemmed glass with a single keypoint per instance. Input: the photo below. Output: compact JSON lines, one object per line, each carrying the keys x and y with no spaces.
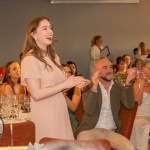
{"x":27,"y":106}
{"x":2,"y":107}
{"x":19,"y":99}
{"x":15,"y":107}
{"x":7,"y":107}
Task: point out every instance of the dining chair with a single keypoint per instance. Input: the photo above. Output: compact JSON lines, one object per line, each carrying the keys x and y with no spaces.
{"x":18,"y":134}
{"x":99,"y":144}
{"x":79,"y":112}
{"x":127,"y":117}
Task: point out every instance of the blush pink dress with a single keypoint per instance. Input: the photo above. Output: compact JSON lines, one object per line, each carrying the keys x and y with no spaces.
{"x":50,"y":115}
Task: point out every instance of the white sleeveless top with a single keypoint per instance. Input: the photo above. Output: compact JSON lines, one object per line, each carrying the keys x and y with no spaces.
{"x":144,"y":108}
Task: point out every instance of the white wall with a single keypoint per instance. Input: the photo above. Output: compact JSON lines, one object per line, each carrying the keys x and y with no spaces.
{"x":122,"y":26}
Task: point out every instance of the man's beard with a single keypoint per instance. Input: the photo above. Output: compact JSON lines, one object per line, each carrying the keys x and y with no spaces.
{"x":105,"y":79}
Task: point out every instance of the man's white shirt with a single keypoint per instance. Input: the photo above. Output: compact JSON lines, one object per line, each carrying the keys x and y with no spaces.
{"x":106,"y":120}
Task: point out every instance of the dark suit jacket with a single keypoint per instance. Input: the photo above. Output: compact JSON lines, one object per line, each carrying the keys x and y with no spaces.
{"x":92,"y":103}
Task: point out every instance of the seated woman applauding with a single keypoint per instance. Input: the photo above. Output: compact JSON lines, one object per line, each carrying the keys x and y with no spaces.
{"x":73,"y":97}
{"x":121,"y":72}
{"x":11,"y":82}
{"x":140,"y":131}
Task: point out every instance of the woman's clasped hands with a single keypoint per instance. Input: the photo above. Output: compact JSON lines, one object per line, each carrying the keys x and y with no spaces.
{"x":78,"y":81}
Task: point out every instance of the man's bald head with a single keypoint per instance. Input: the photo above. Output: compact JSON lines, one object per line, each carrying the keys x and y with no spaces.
{"x":101,"y":62}
{"x":105,"y":68}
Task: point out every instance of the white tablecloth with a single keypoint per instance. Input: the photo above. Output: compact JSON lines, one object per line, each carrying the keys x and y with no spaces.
{"x":14,"y":148}
{"x":22,"y":118}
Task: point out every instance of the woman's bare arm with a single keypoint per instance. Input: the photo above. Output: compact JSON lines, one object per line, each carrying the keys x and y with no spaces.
{"x":38,"y":93}
{"x":73,"y":104}
{"x":138,"y":91}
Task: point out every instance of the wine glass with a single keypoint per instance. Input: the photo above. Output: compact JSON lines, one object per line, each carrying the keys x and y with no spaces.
{"x":16,"y":107}
{"x":27,"y":106}
{"x":19,"y":99}
{"x":7,"y":108}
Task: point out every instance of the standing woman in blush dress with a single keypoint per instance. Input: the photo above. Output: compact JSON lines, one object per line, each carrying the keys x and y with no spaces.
{"x":96,"y":47}
{"x":45,"y":79}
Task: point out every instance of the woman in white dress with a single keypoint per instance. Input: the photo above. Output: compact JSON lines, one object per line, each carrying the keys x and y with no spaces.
{"x":96,"y":47}
{"x":141,"y":128}
{"x":45,"y":79}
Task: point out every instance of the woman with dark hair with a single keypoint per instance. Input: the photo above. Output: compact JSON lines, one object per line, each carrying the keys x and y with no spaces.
{"x":44,"y":76}
{"x":11,"y":81}
{"x":121,"y":71}
{"x":73,"y":67}
{"x":73,"y":97}
{"x":96,"y":47}
{"x":128,"y":60}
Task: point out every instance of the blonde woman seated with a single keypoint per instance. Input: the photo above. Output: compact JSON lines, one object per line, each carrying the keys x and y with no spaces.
{"x":141,"y":128}
{"x":11,"y":81}
{"x":73,"y":97}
